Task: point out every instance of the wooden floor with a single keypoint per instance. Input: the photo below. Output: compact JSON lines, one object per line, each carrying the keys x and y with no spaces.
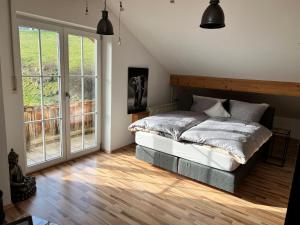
{"x":119,"y":189}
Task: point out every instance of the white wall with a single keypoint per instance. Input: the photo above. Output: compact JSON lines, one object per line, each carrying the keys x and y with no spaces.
{"x":133,"y":53}
{"x":4,"y":173}
{"x":106,"y":93}
{"x":114,"y":81}
{"x":10,"y":117}
{"x":260,"y":40}
{"x":4,"y":75}
{"x":12,"y":100}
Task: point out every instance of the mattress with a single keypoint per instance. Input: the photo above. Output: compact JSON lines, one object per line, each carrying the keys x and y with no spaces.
{"x":203,"y":154}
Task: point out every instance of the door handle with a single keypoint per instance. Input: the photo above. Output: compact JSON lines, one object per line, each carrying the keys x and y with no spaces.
{"x":68,"y":95}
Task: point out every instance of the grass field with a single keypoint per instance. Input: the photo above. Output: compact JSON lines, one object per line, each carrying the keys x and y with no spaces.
{"x":30,"y":59}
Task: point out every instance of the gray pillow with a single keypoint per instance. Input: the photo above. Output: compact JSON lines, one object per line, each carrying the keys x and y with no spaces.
{"x":247,"y":111}
{"x":201,"y":103}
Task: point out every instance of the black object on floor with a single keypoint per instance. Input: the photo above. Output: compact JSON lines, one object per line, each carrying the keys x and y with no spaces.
{"x":2,"y":215}
{"x":292,"y":216}
{"x":22,"y":187}
{"x":31,"y":220}
{"x":24,"y":221}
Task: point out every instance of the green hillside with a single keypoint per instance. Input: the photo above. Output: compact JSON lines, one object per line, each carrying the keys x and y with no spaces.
{"x":30,"y":59}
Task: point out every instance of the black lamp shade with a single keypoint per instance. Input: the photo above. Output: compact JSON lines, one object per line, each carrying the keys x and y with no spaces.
{"x":213,"y":17}
{"x":104,"y":26}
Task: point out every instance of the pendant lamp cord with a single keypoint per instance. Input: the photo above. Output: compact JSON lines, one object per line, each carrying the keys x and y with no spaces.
{"x":105,"y":5}
{"x":86,"y":8}
{"x":121,"y":9}
{"x":214,"y":2}
{"x":120,"y":23}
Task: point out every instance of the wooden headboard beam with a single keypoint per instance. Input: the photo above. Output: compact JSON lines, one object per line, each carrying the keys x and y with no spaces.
{"x":252,"y":86}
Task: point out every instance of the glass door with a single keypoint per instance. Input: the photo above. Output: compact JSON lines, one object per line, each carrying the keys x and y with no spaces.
{"x":83,"y":88}
{"x":40,"y":53}
{"x":61,"y":94}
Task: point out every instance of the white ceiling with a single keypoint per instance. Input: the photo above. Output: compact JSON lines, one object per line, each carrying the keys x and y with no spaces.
{"x":261,"y":39}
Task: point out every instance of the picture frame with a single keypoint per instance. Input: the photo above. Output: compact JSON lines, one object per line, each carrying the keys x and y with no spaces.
{"x":137,"y":89}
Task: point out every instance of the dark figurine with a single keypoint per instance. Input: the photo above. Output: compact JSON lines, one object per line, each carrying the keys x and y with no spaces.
{"x":2,"y":215}
{"x":22,"y":187}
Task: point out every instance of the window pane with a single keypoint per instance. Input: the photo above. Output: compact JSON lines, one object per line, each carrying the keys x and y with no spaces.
{"x":53,"y":139}
{"x":34,"y":143}
{"x":29,"y":49}
{"x":74,"y":55}
{"x":89,"y":131}
{"x":50,"y":51}
{"x":76,"y":133}
{"x":51,"y":97}
{"x":40,"y":52}
{"x":89,"y":50}
{"x":32,"y":98}
{"x":75,"y":93}
{"x":89,"y":94}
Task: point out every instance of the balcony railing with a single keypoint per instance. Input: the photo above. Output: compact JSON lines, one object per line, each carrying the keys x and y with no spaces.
{"x":33,"y":124}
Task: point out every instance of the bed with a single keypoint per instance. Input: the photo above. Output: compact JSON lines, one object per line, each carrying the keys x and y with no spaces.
{"x":208,"y":164}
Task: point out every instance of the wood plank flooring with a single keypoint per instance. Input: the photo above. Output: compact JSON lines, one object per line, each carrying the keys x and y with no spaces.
{"x":119,"y":189}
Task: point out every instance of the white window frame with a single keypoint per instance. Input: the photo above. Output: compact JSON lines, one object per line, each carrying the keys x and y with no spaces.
{"x":70,"y":31}
{"x":63,"y":31}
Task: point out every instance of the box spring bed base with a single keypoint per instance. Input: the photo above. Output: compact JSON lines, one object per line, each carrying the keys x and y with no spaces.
{"x":220,"y":179}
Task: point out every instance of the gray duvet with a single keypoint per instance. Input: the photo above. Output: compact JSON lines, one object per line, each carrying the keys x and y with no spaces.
{"x":171,"y":124}
{"x":239,"y":138}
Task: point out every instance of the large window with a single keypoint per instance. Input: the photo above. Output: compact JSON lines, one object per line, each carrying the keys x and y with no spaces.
{"x":60,"y":92}
{"x":41,"y":93}
{"x":82,"y":83}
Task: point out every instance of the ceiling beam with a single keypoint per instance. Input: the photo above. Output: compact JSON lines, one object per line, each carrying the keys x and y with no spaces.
{"x":242,"y":85}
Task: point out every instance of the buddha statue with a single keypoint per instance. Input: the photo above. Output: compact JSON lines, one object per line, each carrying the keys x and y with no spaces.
{"x":22,"y":187}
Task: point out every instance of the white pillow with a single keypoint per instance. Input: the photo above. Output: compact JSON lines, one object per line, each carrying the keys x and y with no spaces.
{"x":217,"y":111}
{"x":202,"y":103}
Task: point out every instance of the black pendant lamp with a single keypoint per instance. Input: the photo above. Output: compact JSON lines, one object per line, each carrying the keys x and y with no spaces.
{"x":104,"y":26}
{"x":213,"y":17}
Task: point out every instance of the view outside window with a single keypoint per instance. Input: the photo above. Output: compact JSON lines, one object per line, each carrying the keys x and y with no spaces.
{"x":41,"y":94}
{"x":42,"y":85}
{"x":82,"y":84}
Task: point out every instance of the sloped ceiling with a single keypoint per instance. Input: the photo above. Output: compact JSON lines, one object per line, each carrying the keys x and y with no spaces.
{"x":261,"y":39}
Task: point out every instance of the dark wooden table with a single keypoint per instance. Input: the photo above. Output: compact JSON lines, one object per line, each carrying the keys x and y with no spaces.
{"x":279,"y":146}
{"x":35,"y":221}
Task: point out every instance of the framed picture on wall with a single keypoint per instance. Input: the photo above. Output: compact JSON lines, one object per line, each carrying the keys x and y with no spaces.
{"x":137,"y":89}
